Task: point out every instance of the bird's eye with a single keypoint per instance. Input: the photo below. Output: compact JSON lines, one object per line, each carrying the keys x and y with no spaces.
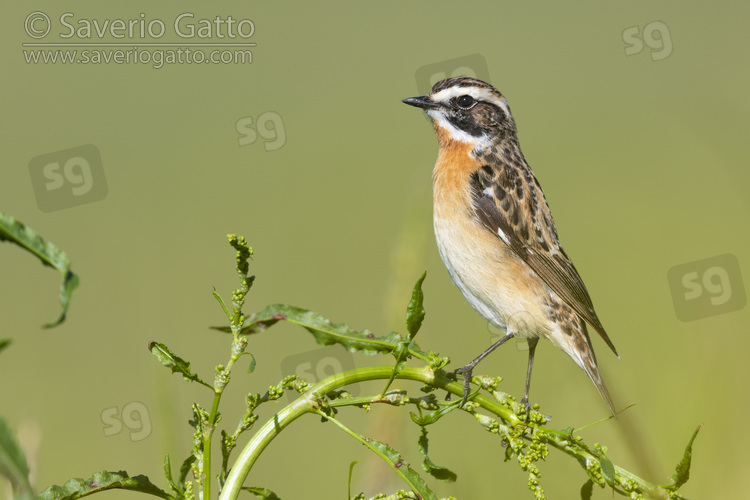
{"x":465,"y":101}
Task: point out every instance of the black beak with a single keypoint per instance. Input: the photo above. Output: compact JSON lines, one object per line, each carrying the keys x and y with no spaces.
{"x":423,"y":102}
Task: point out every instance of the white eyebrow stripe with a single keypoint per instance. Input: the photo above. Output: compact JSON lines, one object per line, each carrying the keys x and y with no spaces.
{"x":475,"y":92}
{"x":480,"y":94}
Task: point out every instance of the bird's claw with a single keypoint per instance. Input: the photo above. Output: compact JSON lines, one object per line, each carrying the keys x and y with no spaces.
{"x":527,"y":409}
{"x":466,"y":372}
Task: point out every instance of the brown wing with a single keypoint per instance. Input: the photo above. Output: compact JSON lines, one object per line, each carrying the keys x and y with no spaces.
{"x":517,"y":212}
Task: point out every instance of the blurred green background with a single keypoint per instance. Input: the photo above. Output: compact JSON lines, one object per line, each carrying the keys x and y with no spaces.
{"x":633,"y":115}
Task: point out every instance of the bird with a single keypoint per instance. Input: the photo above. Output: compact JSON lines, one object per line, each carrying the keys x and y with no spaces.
{"x":495,"y":233}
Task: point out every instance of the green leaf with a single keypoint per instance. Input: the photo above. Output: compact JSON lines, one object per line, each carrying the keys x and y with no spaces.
{"x":177,"y":488}
{"x":398,"y":464}
{"x":251,"y":366}
{"x":13,"y":463}
{"x":174,"y":362}
{"x":390,"y":456}
{"x":227,"y":444}
{"x":415,"y":310}
{"x":4,"y":343}
{"x":14,"y":231}
{"x":682,"y":471}
{"x":414,"y":317}
{"x":401,"y":354}
{"x":587,"y":490}
{"x":434,"y":416}
{"x":324,"y":331}
{"x":263,"y":493}
{"x":351,"y":471}
{"x":102,"y":481}
{"x":608,"y":468}
{"x":185,"y":468}
{"x":438,"y":472}
{"x":223,"y":305}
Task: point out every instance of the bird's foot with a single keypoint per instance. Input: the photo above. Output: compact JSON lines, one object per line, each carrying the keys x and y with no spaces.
{"x":466,"y":372}
{"x":527,"y":408}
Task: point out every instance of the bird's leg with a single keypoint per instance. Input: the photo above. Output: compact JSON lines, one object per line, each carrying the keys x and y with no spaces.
{"x":466,"y":370}
{"x":525,"y":401}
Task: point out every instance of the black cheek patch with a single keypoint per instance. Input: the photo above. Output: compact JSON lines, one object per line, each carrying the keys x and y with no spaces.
{"x":466,"y":123}
{"x":479,"y":120}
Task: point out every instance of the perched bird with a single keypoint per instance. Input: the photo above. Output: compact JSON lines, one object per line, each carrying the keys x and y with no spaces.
{"x":495,"y":232}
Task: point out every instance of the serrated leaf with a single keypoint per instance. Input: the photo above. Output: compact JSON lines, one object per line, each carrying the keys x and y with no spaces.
{"x":324,"y":331}
{"x":682,"y":471}
{"x":263,"y":493}
{"x":436,"y":471}
{"x":174,"y":362}
{"x":415,"y":310}
{"x":101,"y":481}
{"x":587,"y":490}
{"x":16,"y":232}
{"x":411,"y":477}
{"x":13,"y":463}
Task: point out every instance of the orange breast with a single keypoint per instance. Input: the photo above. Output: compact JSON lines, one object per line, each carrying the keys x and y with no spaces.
{"x":451,"y":176}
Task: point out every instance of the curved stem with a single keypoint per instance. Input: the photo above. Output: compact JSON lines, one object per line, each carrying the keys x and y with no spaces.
{"x":310,"y":403}
{"x":307,"y":404}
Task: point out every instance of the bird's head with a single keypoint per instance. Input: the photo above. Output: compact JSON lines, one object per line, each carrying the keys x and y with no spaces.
{"x":468,"y":110}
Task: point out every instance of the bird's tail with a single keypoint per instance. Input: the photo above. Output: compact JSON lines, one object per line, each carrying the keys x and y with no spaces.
{"x":579,"y":348}
{"x":592,"y":370}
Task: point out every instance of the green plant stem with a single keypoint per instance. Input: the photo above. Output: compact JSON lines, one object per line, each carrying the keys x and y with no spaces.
{"x":207,"y":436}
{"x":307,"y":403}
{"x":213,"y":416}
{"x":258,"y":443}
{"x":310,"y":403}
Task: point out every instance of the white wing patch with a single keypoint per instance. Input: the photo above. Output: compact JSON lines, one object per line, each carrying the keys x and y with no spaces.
{"x":503,"y":236}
